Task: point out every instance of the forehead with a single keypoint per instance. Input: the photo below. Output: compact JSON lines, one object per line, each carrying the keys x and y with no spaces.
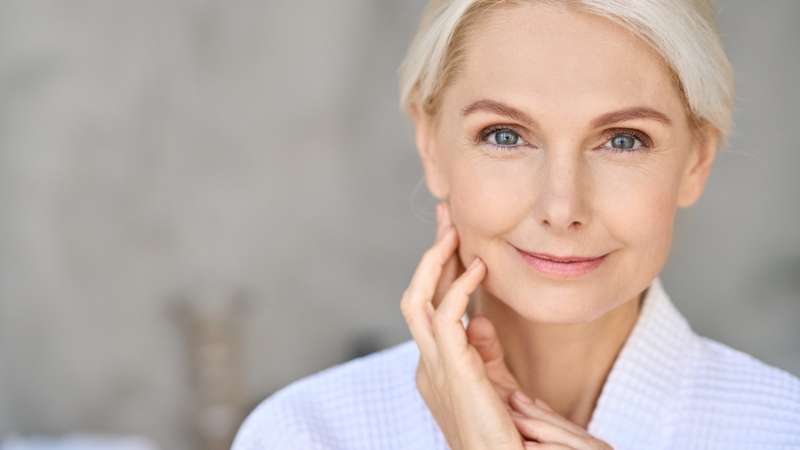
{"x":559,"y":57}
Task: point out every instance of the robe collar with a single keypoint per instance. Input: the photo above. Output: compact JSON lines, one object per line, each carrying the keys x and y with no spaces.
{"x":641,"y":389}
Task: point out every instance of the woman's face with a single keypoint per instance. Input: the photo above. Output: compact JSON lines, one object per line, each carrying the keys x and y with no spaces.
{"x":564,"y":147}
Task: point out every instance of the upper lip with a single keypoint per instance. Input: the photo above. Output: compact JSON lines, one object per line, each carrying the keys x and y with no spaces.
{"x":562,"y":259}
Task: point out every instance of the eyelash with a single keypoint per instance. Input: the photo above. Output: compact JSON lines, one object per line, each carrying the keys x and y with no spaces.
{"x":486,"y":132}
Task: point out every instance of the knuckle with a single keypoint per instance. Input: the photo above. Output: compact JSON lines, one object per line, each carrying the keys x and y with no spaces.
{"x":430,"y":254}
{"x":405,"y":304}
{"x":408,"y":304}
{"x":411,"y":321}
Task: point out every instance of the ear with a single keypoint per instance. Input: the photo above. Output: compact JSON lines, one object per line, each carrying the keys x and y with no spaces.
{"x":430,"y":153}
{"x":698,"y":166}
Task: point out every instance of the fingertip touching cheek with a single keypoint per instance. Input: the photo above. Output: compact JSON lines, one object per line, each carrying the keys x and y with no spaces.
{"x":563,"y":143}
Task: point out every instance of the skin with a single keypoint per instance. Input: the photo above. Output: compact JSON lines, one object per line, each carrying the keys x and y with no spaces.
{"x":565,"y":83}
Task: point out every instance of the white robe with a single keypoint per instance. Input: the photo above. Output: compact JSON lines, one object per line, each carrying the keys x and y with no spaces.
{"x":668,"y":389}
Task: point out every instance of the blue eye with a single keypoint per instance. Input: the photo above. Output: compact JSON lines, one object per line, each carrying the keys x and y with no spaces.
{"x":623,"y":142}
{"x":505,"y":138}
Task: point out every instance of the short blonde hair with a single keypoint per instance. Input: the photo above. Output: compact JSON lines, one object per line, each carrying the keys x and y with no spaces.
{"x":684,"y":32}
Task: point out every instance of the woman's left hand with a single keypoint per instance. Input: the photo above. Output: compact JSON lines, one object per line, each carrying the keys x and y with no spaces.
{"x":543,"y":428}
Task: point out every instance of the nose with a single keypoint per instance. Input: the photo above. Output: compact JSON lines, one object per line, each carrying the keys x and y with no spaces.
{"x":563,"y":202}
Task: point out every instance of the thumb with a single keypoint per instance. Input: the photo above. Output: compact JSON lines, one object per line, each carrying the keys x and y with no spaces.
{"x":482,"y":335}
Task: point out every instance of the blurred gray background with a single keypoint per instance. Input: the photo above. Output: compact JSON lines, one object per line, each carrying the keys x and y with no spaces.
{"x":159,"y":154}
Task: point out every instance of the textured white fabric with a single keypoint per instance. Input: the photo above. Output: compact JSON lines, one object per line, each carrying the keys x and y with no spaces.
{"x":668,"y":389}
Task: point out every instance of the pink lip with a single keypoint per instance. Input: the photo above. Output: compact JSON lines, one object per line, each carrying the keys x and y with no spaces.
{"x":562,"y":266}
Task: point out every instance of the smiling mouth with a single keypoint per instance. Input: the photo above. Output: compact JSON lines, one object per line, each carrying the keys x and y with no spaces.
{"x":562,"y":266}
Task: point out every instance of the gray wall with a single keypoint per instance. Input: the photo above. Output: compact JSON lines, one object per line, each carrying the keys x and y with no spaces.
{"x":735,"y":266}
{"x":150,"y":149}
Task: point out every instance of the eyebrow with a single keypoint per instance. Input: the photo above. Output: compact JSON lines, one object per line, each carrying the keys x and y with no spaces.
{"x":499,"y":108}
{"x":639,"y":112}
{"x":622,"y":115}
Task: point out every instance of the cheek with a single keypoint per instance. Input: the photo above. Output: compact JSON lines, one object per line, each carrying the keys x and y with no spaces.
{"x":637,"y":209}
{"x":488,"y":199}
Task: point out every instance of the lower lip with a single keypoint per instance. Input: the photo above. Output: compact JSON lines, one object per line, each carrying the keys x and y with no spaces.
{"x":562,"y":269}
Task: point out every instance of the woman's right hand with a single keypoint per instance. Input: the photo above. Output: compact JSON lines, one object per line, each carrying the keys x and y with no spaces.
{"x":453,"y":375}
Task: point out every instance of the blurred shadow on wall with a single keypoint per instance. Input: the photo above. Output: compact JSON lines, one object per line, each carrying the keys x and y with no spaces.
{"x":777,"y":309}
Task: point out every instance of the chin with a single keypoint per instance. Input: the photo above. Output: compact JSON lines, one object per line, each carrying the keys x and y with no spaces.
{"x":562,"y":302}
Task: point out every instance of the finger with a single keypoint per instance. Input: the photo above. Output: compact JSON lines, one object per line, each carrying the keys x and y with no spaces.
{"x":430,"y":266}
{"x":415,"y":304}
{"x":526,"y":406}
{"x":548,"y":433}
{"x":451,"y":270}
{"x":541,"y":404}
{"x":482,"y":335}
{"x":447,"y":325}
{"x":538,"y":446}
{"x":455,"y":301}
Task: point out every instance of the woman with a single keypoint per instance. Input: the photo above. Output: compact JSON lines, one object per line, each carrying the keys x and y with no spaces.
{"x":563,"y":136}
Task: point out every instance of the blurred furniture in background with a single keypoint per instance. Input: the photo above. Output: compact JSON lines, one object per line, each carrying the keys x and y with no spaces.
{"x":211,"y":321}
{"x":78,"y":442}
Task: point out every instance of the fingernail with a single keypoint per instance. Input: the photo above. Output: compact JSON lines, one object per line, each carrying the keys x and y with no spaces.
{"x":439,"y":213}
{"x":474,"y":263}
{"x":522,"y":397}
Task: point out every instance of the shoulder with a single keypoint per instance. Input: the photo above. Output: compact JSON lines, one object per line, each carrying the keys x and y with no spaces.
{"x":739,"y":400}
{"x":370,"y":402}
{"x":744,"y":375}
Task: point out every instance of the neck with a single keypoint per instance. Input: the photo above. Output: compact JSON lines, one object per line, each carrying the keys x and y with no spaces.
{"x":564,"y":365}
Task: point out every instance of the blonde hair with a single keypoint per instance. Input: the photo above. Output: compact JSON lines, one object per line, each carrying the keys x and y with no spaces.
{"x":684,"y":32}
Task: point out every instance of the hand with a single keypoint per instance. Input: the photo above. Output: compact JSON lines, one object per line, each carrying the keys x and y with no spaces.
{"x":536,"y":421}
{"x":545,"y":429}
{"x":452,"y":375}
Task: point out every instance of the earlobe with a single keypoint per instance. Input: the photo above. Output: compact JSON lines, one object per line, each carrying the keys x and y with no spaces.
{"x":698,"y":167}
{"x":429,"y":154}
